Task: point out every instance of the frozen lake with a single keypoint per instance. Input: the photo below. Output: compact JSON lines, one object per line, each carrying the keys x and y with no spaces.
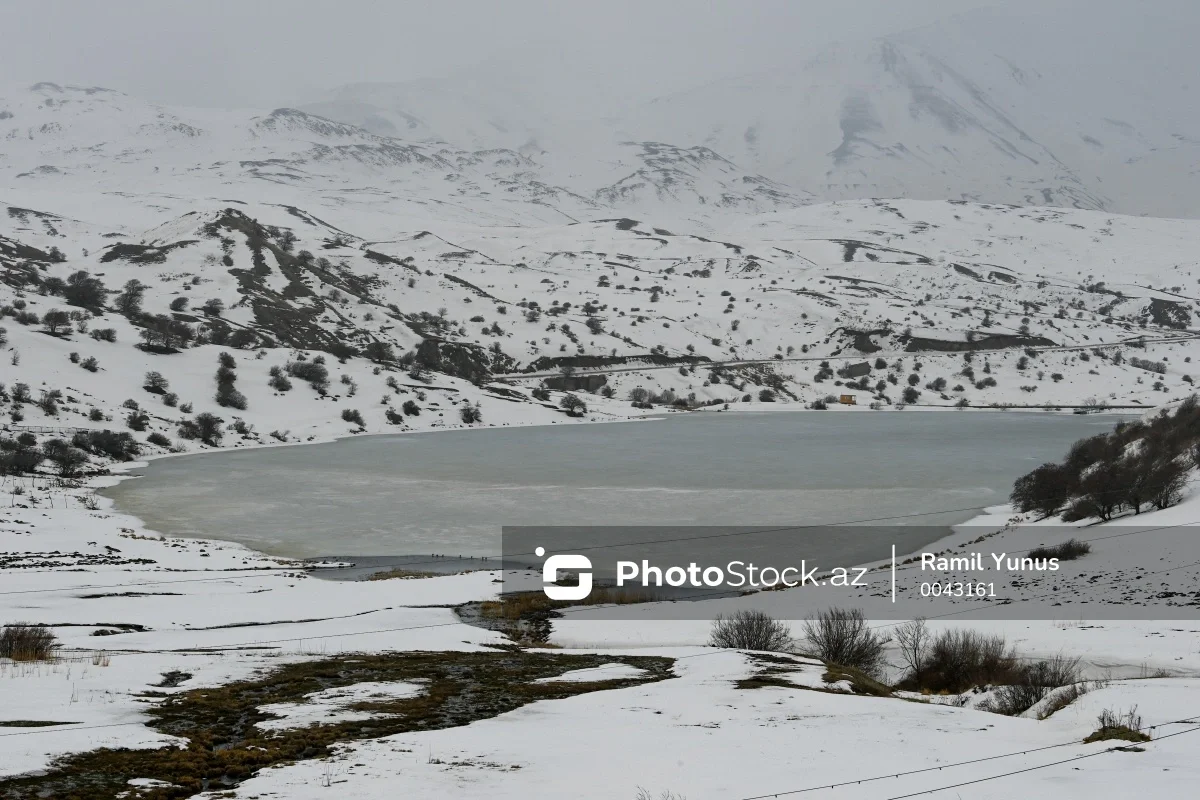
{"x":450,"y":492}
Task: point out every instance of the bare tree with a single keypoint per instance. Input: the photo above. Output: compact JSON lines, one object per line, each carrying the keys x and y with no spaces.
{"x":55,"y":320}
{"x":913,"y":640}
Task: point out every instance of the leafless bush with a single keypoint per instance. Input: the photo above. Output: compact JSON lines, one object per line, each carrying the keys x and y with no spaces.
{"x":960,"y":658}
{"x":841,"y":636}
{"x":21,"y":641}
{"x":1069,"y":550}
{"x":1034,"y":682}
{"x":750,"y":629}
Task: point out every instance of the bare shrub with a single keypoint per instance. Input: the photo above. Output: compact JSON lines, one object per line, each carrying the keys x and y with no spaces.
{"x":21,"y":641}
{"x":573,"y":405}
{"x":1067,"y":551}
{"x":205,"y":427}
{"x":470,"y":414}
{"x":961,"y":658}
{"x":68,"y":459}
{"x":158,"y":439}
{"x":750,"y":629}
{"x":841,"y":636}
{"x":1034,"y":682}
{"x":313,"y":371}
{"x":1044,"y":490}
{"x":155,"y":383}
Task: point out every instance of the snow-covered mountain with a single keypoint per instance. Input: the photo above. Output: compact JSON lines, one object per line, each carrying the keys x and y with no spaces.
{"x":1062,"y":106}
{"x":986,"y":106}
{"x":68,"y":139}
{"x":1057,"y":109}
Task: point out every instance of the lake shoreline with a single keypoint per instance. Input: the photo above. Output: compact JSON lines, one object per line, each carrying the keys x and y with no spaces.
{"x":839,"y":494}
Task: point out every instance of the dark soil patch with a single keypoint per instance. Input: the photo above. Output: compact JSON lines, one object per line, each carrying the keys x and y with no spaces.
{"x":173,"y":678}
{"x":224,"y":747}
{"x":764,"y":680}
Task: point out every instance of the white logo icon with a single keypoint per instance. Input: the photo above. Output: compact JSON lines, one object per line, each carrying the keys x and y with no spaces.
{"x":550,"y":572}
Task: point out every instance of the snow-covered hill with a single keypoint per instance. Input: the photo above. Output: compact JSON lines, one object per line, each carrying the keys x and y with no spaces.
{"x":925,"y":303}
{"x":659,"y":255}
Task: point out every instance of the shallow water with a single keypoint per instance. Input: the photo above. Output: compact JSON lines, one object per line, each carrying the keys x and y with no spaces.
{"x":450,"y":492}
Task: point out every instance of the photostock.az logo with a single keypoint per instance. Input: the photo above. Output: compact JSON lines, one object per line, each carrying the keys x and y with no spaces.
{"x":565,"y":562}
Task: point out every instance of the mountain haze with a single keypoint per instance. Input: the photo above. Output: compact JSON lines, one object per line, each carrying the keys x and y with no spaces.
{"x":1065,"y":109}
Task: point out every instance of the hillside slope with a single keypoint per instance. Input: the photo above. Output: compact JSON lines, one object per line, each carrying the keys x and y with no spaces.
{"x":906,"y":302}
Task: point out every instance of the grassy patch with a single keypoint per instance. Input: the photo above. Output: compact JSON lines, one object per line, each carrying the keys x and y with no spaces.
{"x":1119,"y":732}
{"x":860,"y":682}
{"x":224,"y":746}
{"x":525,"y":616}
{"x":1118,"y":726}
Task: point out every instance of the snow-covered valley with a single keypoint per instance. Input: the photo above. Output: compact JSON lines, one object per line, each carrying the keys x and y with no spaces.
{"x":986,"y":214}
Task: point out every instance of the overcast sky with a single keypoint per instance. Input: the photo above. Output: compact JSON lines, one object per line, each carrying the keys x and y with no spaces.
{"x":269,"y":53}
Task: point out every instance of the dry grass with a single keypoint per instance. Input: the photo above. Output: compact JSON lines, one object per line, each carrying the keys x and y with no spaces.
{"x":860,"y":682}
{"x":957,"y":659}
{"x":1032,"y":683}
{"x":1116,"y":725}
{"x":767,"y":679}
{"x":1067,"y":695}
{"x":21,"y":641}
{"x":524,"y":604}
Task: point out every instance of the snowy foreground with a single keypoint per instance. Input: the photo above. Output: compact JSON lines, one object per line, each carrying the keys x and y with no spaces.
{"x":138,"y":612}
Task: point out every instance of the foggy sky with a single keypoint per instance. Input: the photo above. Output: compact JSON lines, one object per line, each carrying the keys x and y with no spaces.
{"x":269,"y":53}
